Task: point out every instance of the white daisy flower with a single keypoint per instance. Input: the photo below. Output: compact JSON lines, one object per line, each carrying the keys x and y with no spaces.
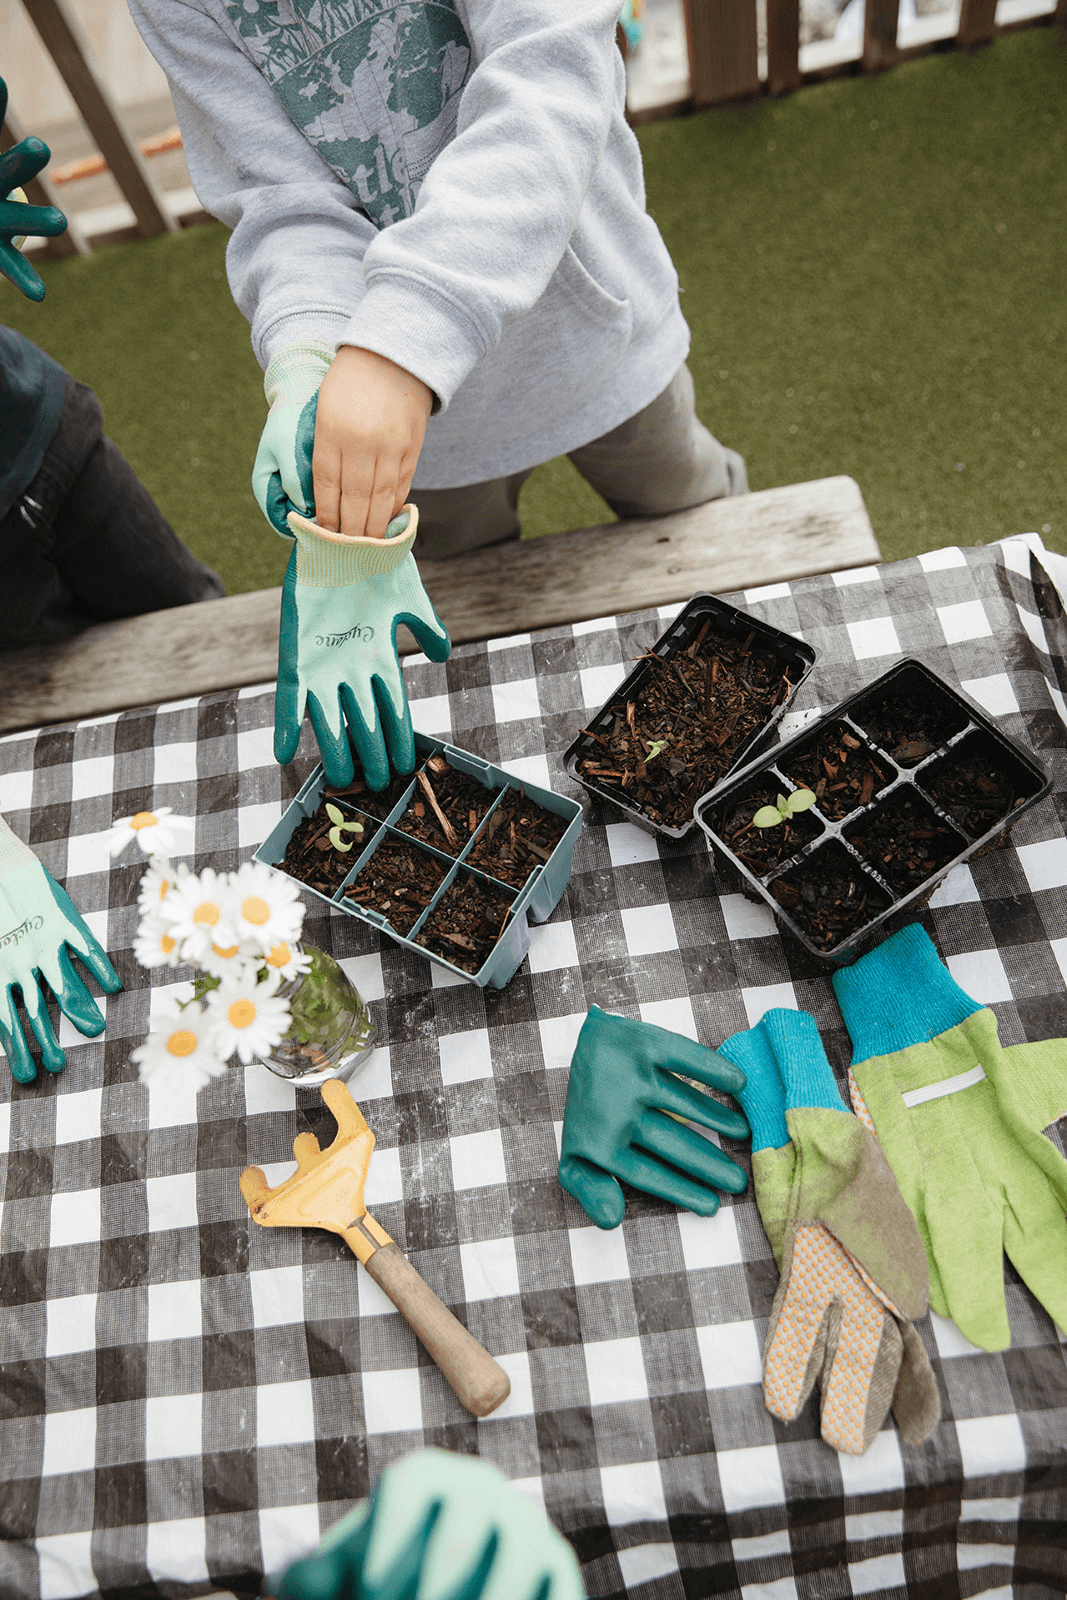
{"x":180,"y":1046}
{"x":154,"y":944}
{"x":247,"y":1017}
{"x":156,"y":832}
{"x":159,"y":877}
{"x":268,"y":907}
{"x":199,"y":908}
{"x":288,"y":961}
{"x":230,"y":960}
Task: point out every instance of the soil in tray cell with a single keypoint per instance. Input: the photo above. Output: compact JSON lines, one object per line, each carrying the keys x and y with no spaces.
{"x":375,"y":802}
{"x":446,"y":807}
{"x":681,"y":733}
{"x":398,"y":881}
{"x":978,"y":785}
{"x":829,"y":896}
{"x":905,"y":840}
{"x":519,"y":836}
{"x":844,"y":772}
{"x":761,"y":850}
{"x":910,"y":724}
{"x":466,"y":922}
{"x":312,"y":858}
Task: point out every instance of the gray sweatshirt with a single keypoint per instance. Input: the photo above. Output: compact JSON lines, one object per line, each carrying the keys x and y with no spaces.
{"x":450,"y":183}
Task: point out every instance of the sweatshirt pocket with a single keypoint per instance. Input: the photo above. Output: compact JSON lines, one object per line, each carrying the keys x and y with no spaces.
{"x":589,"y":299}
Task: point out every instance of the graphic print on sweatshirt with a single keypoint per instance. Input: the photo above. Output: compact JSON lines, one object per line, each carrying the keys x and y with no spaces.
{"x":374,"y":87}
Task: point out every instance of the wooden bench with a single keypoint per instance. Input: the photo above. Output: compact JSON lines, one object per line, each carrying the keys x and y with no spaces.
{"x":727,"y":545}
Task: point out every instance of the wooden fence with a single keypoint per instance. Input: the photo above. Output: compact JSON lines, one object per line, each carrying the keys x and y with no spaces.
{"x":726,"y":62}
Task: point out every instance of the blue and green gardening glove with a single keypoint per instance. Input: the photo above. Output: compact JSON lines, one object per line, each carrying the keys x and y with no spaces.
{"x":40,"y":934}
{"x":18,"y":218}
{"x":342,"y":602}
{"x":961,"y":1120}
{"x":439,"y":1526}
{"x":625,"y":1096}
{"x":281,"y":473}
{"x":853,"y":1269}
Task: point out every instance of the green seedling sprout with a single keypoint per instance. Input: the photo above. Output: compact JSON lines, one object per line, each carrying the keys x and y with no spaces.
{"x":341,"y":826}
{"x":787,"y":806}
{"x":655,"y":747}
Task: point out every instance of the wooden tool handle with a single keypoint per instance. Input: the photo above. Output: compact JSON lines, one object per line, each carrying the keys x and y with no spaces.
{"x":480,"y":1383}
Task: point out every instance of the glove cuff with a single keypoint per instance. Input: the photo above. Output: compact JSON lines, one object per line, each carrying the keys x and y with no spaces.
{"x":802,"y":1065}
{"x":330,"y":561}
{"x":899,"y":994}
{"x":295,"y":373}
{"x":13,"y":853}
{"x":763,"y":1098}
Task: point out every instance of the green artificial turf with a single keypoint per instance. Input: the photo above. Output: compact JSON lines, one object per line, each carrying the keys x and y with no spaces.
{"x":873,"y":271}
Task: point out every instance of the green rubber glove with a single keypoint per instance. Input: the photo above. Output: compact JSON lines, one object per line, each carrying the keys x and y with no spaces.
{"x":439,"y":1527}
{"x":342,"y":602}
{"x":623,"y":1096}
{"x":852,"y":1261}
{"x":40,"y":933}
{"x":17,"y":218}
{"x":961,"y":1120}
{"x":281,"y":473}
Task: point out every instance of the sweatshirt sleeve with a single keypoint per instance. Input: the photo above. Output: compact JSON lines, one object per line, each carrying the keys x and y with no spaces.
{"x":434,"y":290}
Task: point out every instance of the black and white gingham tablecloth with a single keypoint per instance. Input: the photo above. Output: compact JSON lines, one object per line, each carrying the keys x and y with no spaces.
{"x":188,"y":1401}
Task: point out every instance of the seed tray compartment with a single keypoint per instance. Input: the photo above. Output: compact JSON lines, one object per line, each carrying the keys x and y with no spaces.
{"x":534,"y":901}
{"x":782,"y":652}
{"x":923,"y":808}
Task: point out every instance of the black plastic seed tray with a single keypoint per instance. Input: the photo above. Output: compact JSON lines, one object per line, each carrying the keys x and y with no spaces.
{"x":772,"y":653}
{"x":910,"y":778}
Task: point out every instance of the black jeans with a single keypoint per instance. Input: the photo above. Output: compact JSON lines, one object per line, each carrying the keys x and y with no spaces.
{"x":86,"y":542}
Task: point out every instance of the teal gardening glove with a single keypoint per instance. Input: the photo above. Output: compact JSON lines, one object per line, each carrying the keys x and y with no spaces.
{"x":623,"y":1097}
{"x":960,"y":1118}
{"x":17,"y":166}
{"x":40,"y":933}
{"x":853,"y":1270}
{"x":281,"y":474}
{"x":342,"y":601}
{"x":439,"y":1527}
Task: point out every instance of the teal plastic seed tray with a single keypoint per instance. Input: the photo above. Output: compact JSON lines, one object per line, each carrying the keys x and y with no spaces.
{"x":453,"y":862}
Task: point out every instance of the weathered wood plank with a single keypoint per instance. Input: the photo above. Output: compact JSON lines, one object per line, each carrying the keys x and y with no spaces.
{"x":880,"y":34}
{"x":723,"y":54}
{"x":727,"y":545}
{"x":67,"y":43}
{"x":977,"y":21}
{"x":783,"y":46}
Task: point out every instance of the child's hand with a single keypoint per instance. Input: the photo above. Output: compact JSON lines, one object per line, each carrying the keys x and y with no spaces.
{"x":368,"y":433}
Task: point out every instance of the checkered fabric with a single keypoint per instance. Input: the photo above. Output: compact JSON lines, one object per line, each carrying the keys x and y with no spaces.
{"x":188,"y":1401}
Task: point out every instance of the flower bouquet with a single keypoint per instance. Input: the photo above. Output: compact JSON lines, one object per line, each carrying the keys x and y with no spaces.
{"x":258,"y":994}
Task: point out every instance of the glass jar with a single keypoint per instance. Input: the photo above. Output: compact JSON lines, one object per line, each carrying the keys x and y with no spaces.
{"x":331,"y":1034}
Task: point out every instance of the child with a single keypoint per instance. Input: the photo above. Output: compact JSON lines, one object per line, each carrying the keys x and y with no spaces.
{"x":439,"y":227}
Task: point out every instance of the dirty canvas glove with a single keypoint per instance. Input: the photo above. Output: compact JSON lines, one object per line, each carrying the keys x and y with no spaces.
{"x":439,"y":1527}
{"x":960,"y":1119}
{"x":342,"y":601}
{"x":281,"y":474}
{"x":40,"y":933}
{"x":852,"y":1262}
{"x":18,"y":218}
{"x":624,"y":1078}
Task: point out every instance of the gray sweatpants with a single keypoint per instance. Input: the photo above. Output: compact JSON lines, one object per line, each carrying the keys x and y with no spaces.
{"x":661,"y":460}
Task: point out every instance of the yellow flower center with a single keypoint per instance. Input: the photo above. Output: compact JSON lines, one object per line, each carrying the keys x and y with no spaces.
{"x":280,"y":956}
{"x":166,"y":944}
{"x":207,"y":914}
{"x":182,"y":1043}
{"x":226,"y":953}
{"x":164,"y":886}
{"x":255,"y":910}
{"x":241,"y":1013}
{"x":143,"y":819}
